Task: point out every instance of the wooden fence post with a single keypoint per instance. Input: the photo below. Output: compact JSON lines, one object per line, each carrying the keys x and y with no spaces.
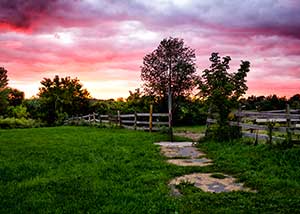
{"x":89,"y":119}
{"x":100,"y":121}
{"x":270,"y":131}
{"x":256,"y":138}
{"x":119,"y":118}
{"x":94,"y":118}
{"x":150,"y":118}
{"x":288,"y":120}
{"x":135,"y":120}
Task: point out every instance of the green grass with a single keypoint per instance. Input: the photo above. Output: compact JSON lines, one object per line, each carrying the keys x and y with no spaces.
{"x":92,"y":170}
{"x":195,"y":129}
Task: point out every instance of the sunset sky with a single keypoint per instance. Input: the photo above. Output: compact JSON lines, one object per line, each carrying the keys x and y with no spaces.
{"x":103,"y":42}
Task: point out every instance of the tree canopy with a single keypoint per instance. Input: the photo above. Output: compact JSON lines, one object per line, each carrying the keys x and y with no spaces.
{"x":15,"y":97}
{"x":171,"y":55}
{"x":62,"y":97}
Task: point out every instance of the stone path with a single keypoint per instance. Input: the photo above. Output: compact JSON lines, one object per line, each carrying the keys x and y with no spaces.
{"x":183,"y":154}
{"x":208,"y":183}
{"x":186,"y":154}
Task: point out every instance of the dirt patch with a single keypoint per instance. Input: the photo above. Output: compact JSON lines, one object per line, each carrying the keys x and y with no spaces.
{"x":207,"y":183}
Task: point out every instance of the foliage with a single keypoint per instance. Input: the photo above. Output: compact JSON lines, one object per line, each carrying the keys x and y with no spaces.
{"x":106,"y":106}
{"x":11,"y":123}
{"x":3,"y":90}
{"x":3,"y":77}
{"x":15,"y":97}
{"x":139,"y":102}
{"x":222,"y":89}
{"x":294,"y":101}
{"x":171,"y":55}
{"x":191,"y":111}
{"x":262,"y":103}
{"x":19,"y":111}
{"x":223,"y":133}
{"x":271,"y":102}
{"x":34,"y":107}
{"x":62,"y":97}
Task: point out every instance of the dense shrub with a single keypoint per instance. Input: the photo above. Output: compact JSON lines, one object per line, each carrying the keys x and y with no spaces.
{"x":10,"y":123}
{"x":19,"y":111}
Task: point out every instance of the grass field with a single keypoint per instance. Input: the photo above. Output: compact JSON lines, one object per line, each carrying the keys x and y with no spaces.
{"x":92,"y":170}
{"x":195,"y":129}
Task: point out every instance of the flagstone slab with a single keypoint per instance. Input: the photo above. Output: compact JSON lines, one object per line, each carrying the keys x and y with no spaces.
{"x":191,"y":162}
{"x":188,"y":151}
{"x":175,"y":144}
{"x":207,"y":183}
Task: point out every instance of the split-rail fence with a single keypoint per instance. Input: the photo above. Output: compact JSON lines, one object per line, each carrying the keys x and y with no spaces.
{"x":136,"y":121}
{"x":285,"y":123}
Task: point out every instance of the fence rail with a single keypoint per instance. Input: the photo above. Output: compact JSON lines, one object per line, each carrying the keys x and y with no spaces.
{"x":137,"y":121}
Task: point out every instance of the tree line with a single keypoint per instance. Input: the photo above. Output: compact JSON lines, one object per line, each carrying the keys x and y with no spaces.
{"x":169,"y":70}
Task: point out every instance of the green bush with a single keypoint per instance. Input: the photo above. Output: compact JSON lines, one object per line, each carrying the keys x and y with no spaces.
{"x":10,"y":123}
{"x":17,"y":111}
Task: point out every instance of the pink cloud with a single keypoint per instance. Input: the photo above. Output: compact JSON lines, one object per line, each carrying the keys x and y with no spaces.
{"x":105,"y":41}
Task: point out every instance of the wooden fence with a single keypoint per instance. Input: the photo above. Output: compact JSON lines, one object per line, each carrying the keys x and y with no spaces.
{"x":137,"y":121}
{"x":285,"y":123}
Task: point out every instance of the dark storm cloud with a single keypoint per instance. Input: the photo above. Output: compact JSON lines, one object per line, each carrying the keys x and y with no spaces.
{"x":22,"y":14}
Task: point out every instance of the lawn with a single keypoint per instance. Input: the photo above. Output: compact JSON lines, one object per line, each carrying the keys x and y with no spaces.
{"x":195,"y":129}
{"x":93,"y":170}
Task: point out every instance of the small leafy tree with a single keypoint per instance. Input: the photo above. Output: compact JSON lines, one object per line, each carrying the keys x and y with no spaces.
{"x":222,"y":90}
{"x":62,"y":97}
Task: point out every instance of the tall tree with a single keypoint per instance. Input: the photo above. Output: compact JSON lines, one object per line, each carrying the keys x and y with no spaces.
{"x":173,"y":56}
{"x":3,"y":90}
{"x":61,"y":97}
{"x":223,"y":89}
